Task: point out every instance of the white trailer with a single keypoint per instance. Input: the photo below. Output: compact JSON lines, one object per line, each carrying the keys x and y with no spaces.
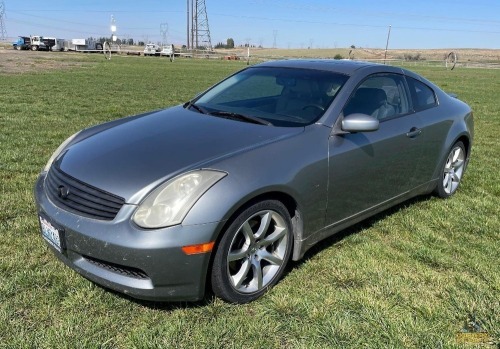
{"x":85,"y":45}
{"x":55,"y":44}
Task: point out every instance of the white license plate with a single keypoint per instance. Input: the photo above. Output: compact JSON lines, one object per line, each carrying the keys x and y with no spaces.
{"x":51,"y":234}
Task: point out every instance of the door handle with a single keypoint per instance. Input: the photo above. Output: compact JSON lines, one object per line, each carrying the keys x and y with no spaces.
{"x":414,"y":132}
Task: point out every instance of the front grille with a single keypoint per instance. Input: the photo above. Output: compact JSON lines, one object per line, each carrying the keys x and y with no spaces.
{"x":75,"y":196}
{"x":118,"y":269}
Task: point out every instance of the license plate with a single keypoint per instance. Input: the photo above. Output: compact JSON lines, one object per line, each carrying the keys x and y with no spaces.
{"x":54,"y":236}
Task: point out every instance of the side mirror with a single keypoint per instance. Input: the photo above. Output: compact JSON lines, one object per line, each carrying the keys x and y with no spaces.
{"x":359,"y":123}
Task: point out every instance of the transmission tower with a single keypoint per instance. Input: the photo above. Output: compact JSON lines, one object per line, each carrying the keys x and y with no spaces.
{"x":164,"y":33}
{"x":200,"y":32}
{"x":3,"y":31}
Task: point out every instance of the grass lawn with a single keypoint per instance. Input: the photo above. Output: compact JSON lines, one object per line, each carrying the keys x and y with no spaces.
{"x":409,"y":277}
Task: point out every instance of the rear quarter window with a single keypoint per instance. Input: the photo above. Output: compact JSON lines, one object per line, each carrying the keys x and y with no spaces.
{"x":423,"y":96}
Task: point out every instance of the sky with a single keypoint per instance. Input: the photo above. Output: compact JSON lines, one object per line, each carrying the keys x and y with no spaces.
{"x":288,"y":23}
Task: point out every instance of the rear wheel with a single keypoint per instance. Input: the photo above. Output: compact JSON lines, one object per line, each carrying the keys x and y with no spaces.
{"x":252,"y":253}
{"x":34,"y":48}
{"x":452,"y":171}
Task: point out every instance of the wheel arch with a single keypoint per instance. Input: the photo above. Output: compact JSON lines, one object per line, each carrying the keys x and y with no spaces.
{"x":467,"y":144}
{"x":285,"y":198}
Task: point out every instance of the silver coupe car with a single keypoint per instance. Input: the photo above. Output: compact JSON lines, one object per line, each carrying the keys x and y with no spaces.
{"x":223,"y":191}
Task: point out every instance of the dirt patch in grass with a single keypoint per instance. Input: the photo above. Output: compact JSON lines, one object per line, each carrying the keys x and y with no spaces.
{"x":19,"y":62}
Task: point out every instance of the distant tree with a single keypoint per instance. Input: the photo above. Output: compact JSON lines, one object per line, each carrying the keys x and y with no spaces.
{"x":338,"y":56}
{"x":220,"y":45}
{"x":141,"y":43}
{"x":353,"y":47}
{"x":130,"y":41}
{"x":230,"y":43}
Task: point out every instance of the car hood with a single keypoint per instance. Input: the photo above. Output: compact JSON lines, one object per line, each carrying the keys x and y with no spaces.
{"x":131,"y":159}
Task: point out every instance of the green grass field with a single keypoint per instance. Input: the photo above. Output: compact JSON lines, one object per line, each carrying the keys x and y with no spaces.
{"x":410,"y":277}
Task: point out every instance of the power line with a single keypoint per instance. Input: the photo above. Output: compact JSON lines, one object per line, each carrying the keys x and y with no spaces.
{"x":337,"y":10}
{"x":353,"y":24}
{"x":97,"y":11}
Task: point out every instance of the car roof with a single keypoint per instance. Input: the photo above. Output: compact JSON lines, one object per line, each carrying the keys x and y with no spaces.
{"x":347,"y":67}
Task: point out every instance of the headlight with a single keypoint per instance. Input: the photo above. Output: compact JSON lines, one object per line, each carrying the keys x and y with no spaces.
{"x":58,"y":151}
{"x":169,"y":203}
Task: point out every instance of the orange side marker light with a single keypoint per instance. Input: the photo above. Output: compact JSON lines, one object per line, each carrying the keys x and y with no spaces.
{"x":197,"y":249}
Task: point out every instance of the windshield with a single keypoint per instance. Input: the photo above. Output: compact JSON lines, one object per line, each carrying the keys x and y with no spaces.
{"x":280,"y":96}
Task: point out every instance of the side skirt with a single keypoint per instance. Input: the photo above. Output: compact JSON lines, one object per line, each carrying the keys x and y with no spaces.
{"x":301,"y":246}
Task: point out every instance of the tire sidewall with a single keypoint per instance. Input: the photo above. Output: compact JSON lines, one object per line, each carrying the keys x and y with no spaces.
{"x":221,"y":285}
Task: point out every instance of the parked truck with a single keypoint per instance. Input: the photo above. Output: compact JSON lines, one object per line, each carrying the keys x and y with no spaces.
{"x":152,"y":50}
{"x":34,"y":43}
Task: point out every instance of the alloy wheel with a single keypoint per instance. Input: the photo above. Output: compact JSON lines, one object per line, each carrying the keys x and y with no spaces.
{"x":257,"y":251}
{"x":453,"y":170}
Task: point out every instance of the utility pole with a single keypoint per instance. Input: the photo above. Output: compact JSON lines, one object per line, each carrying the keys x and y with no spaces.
{"x":387,"y":44}
{"x":187,"y":46}
{"x":192,"y":24}
{"x":275,"y":35}
{"x":3,"y":31}
{"x":113,"y":29}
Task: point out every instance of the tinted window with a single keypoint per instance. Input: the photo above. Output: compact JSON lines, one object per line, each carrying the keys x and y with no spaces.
{"x":381,"y":96}
{"x":256,"y":86}
{"x":282,"y":96}
{"x":423,"y":96}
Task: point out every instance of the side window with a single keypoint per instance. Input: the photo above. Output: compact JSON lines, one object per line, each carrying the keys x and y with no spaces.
{"x":382,"y":96}
{"x":423,"y":96}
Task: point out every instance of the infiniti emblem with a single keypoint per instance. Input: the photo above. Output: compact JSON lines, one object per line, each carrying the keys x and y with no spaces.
{"x":63,"y":192}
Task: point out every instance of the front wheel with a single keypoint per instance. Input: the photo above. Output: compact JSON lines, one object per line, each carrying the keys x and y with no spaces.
{"x":452,"y":171}
{"x":252,"y":253}
{"x":34,"y":48}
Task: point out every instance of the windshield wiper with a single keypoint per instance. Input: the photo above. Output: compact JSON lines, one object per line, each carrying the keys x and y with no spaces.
{"x":241,"y":117}
{"x":199,"y":109}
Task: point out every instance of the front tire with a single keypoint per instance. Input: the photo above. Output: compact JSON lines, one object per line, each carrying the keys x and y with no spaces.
{"x":34,"y":48}
{"x":452,"y":171}
{"x":253,"y":252}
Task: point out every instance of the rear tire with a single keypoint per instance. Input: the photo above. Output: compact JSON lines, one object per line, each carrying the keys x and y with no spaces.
{"x":34,"y":48}
{"x":452,"y":171}
{"x":253,"y":252}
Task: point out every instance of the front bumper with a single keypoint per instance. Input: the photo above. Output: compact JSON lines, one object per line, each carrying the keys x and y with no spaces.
{"x":145,"y":264}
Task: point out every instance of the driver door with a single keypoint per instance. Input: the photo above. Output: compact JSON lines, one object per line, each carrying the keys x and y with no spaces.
{"x":367,"y":169}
